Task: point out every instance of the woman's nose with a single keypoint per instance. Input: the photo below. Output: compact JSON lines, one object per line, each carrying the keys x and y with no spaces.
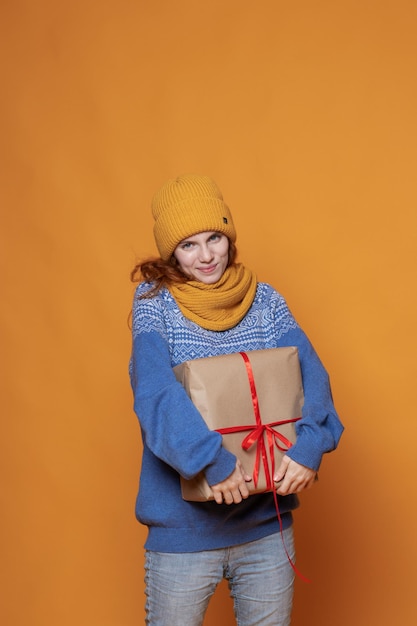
{"x":205,"y":253}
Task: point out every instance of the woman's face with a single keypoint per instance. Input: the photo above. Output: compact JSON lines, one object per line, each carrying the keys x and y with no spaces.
{"x":204,"y":256}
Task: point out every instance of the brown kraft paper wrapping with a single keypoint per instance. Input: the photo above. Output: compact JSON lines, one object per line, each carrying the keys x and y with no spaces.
{"x":220,"y":388}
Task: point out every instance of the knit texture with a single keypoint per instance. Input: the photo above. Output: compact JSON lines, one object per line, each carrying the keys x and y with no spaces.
{"x":185,"y":206}
{"x":176,"y":439}
{"x":219,"y":306}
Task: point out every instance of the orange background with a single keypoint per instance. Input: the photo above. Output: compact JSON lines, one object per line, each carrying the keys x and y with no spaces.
{"x":305,"y":114}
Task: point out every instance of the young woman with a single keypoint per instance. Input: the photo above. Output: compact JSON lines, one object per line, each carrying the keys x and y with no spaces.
{"x":197,"y":301}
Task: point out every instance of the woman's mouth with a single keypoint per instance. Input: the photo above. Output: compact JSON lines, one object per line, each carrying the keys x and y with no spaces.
{"x":207,"y":270}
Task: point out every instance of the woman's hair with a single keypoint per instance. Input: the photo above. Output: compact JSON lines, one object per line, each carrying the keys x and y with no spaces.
{"x":160,"y":273}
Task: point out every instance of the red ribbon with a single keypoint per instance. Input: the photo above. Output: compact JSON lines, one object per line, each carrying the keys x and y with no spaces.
{"x":273,"y":438}
{"x":256,"y":436}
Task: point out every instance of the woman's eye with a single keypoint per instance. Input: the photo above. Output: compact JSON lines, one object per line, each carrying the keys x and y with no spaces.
{"x":215,"y":237}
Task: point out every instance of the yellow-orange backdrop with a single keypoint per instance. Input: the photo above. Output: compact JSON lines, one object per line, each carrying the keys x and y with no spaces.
{"x":305,"y":114}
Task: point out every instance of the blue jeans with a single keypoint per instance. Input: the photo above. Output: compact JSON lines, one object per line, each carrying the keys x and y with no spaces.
{"x":260,"y":577}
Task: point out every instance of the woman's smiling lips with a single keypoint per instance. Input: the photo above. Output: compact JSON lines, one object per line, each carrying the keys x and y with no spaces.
{"x":207,"y":270}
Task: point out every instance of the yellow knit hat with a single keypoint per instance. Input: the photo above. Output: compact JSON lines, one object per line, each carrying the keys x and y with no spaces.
{"x":185,"y":206}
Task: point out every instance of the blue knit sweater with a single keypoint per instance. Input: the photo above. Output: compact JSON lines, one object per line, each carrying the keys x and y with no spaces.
{"x":176,"y":440}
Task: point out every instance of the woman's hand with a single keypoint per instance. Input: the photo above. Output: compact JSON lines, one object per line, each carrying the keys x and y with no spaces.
{"x":234,"y":488}
{"x":293,"y":477}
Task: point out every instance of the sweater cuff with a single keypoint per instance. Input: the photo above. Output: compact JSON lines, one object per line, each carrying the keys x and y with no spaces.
{"x":304,"y":453}
{"x":221,"y":468}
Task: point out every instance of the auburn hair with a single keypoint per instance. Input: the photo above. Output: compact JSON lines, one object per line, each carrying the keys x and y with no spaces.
{"x":160,"y":273}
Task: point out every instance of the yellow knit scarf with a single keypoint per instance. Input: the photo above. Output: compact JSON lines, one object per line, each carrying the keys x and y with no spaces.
{"x":219,"y":306}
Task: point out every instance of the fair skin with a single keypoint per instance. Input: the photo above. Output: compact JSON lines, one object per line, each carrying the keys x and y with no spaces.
{"x":293,"y":477}
{"x":204,"y":257}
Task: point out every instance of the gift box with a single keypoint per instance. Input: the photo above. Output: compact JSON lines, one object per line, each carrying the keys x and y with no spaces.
{"x":253,"y":399}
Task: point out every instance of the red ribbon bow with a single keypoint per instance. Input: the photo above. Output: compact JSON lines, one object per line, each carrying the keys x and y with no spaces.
{"x":257,"y":432}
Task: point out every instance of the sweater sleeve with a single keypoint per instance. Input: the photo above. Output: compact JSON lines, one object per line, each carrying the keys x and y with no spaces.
{"x":320,"y":428}
{"x":171,"y":426}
